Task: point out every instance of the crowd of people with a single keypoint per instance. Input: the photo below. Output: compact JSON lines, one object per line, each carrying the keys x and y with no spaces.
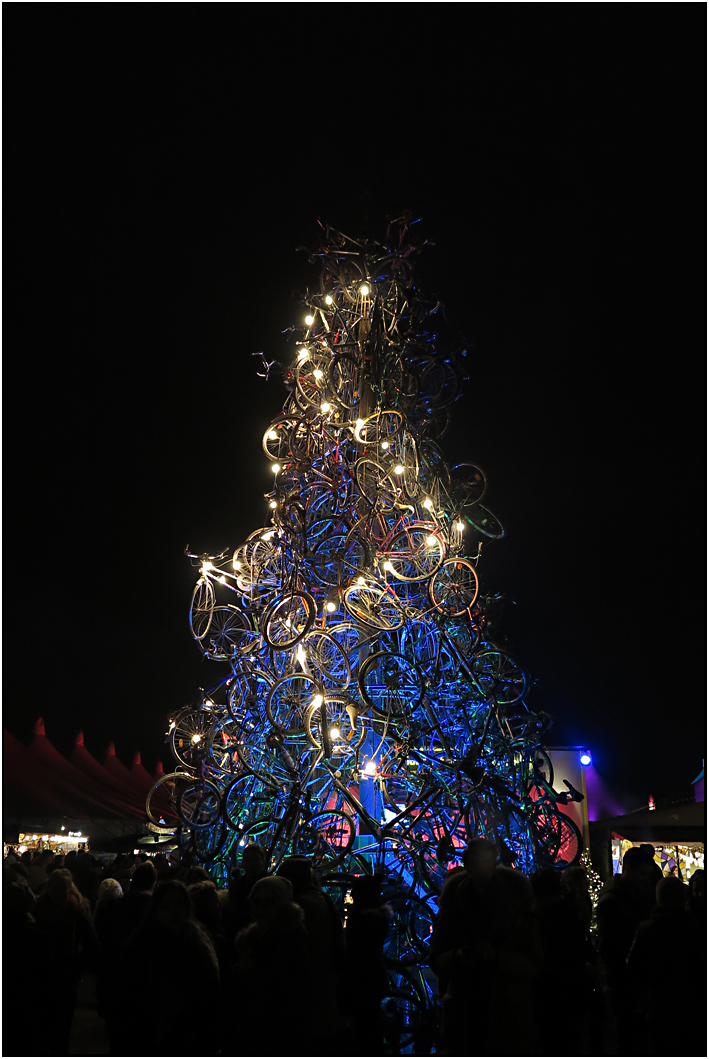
{"x":266,"y":967}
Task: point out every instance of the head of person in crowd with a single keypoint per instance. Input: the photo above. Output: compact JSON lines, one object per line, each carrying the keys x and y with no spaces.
{"x":637,"y":869}
{"x":26,"y":857}
{"x":254,"y":861}
{"x":108,"y":891}
{"x":70,"y":859}
{"x":196,"y":874}
{"x":299,"y":872}
{"x":206,"y":904}
{"x":574,"y":881}
{"x":141,"y":858}
{"x":144,"y":879}
{"x":269,"y":896}
{"x":171,"y":905}
{"x":546,"y":885}
{"x":61,"y":889}
{"x":55,"y":863}
{"x":698,"y":886}
{"x":480,"y":862}
{"x":671,"y":893}
{"x":160,"y":863}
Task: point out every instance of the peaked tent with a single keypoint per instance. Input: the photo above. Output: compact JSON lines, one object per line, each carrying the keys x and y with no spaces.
{"x":74,"y":785}
{"x":87,"y":764}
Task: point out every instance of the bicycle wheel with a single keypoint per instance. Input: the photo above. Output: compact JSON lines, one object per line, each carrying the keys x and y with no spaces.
{"x":161,"y":799}
{"x":201,"y":608}
{"x":454,"y":587}
{"x":288,"y":703}
{"x":326,"y":837}
{"x":326,"y":659}
{"x":499,"y":677}
{"x":376,"y":485}
{"x":468,"y":484}
{"x":247,"y":798}
{"x":199,"y":804}
{"x":288,"y":620}
{"x":189,"y":733}
{"x":483,"y":520}
{"x":373,"y":605}
{"x":390,"y":684}
{"x":415,"y":553}
{"x":229,"y":631}
{"x":346,"y":728}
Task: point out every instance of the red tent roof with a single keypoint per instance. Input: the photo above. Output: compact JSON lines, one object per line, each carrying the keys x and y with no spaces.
{"x":89,"y":766}
{"x":74,"y":783}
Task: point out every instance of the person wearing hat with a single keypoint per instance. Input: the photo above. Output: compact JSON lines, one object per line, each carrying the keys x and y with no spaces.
{"x":274,"y":982}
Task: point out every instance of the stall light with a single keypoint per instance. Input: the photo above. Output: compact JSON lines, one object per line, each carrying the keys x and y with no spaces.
{"x":585,"y":757}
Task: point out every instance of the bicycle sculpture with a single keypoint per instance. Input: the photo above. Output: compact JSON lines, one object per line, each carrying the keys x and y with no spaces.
{"x":365,"y":715}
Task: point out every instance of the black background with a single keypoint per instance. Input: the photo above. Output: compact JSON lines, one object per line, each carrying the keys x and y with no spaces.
{"x":164,"y":162}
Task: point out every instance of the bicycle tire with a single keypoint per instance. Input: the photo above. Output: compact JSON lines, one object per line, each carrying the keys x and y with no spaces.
{"x":201,"y":608}
{"x":199,"y":804}
{"x":288,"y":620}
{"x":454,"y":587}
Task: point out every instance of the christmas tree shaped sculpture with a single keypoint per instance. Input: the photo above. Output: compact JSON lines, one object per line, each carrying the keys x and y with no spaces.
{"x":362,"y":713}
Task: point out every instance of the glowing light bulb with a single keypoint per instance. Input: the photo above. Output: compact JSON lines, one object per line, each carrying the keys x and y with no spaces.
{"x":267,"y":536}
{"x":388,"y":566}
{"x":324,"y":407}
{"x":398,"y":469}
{"x":359,"y":424}
{"x":196,"y":738}
{"x":361,"y":581}
{"x":328,"y":299}
{"x":206,"y":565}
{"x":272,"y":503}
{"x":585,"y":758}
{"x":431,"y":540}
{"x":317,"y":701}
{"x":236,"y":564}
{"x":275,"y":467}
{"x":459,"y":526}
{"x":317,"y":373}
{"x":385,"y":444}
{"x":300,"y":654}
{"x":334,"y":733}
{"x":330,"y":607}
{"x":272,"y":435}
{"x":309,"y":320}
{"x":428,"y":503}
{"x":302,"y":354}
{"x":222,"y":580}
{"x":370,"y":768}
{"x":364,"y":290}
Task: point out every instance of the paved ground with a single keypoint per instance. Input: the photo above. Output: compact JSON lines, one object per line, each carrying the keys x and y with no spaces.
{"x":88,"y":1031}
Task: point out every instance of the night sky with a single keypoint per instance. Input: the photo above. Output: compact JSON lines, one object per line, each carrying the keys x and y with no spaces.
{"x":159,"y":178}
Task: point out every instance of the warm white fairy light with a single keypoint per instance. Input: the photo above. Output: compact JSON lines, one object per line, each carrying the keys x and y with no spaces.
{"x":309,"y":320}
{"x":272,"y":435}
{"x":398,"y":469}
{"x":428,"y":503}
{"x":302,"y":354}
{"x":364,"y":290}
{"x":330,"y":607}
{"x":275,"y":467}
{"x":324,"y":407}
{"x":328,"y":299}
{"x":318,"y":373}
{"x":459,"y":526}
